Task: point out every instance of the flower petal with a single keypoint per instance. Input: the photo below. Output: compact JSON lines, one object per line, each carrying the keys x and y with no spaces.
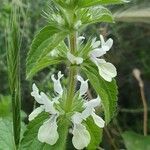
{"x":107,"y":70}
{"x":48,"y":131}
{"x":57,"y":85}
{"x":87,"y":112}
{"x":93,"y":103}
{"x":95,"y":44}
{"x":106,"y":46}
{"x":98,"y":120}
{"x":84,"y":85}
{"x":48,"y":104}
{"x":35,"y":113}
{"x":35,"y":94}
{"x":98,"y":52}
{"x":102,"y":40}
{"x":89,"y":107}
{"x":77,"y":118}
{"x":81,"y":137}
{"x":73,"y":59}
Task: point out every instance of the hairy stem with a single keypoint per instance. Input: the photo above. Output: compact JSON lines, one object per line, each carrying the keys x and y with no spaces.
{"x":72,"y":74}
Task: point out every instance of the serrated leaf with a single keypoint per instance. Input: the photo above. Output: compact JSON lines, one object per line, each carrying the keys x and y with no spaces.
{"x":30,"y":140}
{"x":88,"y":3}
{"x":46,"y":61}
{"x":107,"y":91}
{"x":134,"y":141}
{"x":95,"y":133}
{"x":99,"y":14}
{"x":45,"y":41}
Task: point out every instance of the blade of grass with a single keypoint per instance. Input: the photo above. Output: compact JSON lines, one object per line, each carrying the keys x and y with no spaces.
{"x":13,"y":63}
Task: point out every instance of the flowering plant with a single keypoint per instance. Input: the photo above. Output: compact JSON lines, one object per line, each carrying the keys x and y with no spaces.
{"x":69,"y":112}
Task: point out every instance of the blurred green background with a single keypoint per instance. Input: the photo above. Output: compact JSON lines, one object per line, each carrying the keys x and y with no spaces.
{"x":131,"y":34}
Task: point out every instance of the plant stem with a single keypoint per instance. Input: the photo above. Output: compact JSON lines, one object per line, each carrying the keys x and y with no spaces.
{"x":145,"y":115}
{"x":72,"y":73}
{"x":137,"y":75}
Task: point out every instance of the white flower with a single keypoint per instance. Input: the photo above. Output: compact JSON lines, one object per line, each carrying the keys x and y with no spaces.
{"x":48,"y":131}
{"x":106,"y":70}
{"x":35,"y":94}
{"x":81,"y":136}
{"x":106,"y":46}
{"x":95,"y":43}
{"x":57,"y":85}
{"x":98,"y":120}
{"x":46,"y":104}
{"x":73,"y":59}
{"x":90,"y":111}
{"x":35,"y":113}
{"x":84,"y":85}
{"x":100,"y":51}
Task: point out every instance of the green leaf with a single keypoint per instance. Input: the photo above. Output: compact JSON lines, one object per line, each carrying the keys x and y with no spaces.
{"x":46,"y":61}
{"x":134,"y":141}
{"x":99,"y":14}
{"x":107,"y":90}
{"x":6,"y":135}
{"x":88,"y":3}
{"x":44,"y":42}
{"x":95,"y":132}
{"x":30,"y":140}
